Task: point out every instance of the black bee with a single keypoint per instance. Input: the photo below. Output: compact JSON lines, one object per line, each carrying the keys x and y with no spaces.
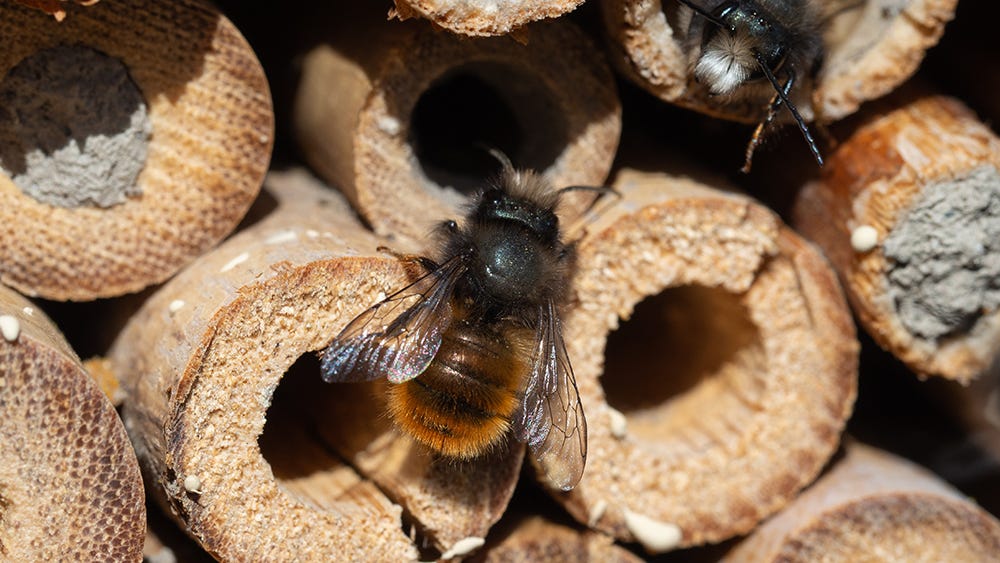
{"x":474,"y":346}
{"x":742,"y":42}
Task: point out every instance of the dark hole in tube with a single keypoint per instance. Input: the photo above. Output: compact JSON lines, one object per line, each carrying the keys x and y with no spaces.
{"x":479,"y":106}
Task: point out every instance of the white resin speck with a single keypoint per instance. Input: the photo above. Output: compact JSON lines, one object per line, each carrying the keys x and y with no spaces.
{"x":654,"y":535}
{"x":864,"y":238}
{"x":10,"y":328}
{"x":463,"y":547}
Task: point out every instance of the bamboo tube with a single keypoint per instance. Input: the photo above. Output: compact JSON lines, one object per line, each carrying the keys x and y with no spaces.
{"x":870,"y":49}
{"x":228,"y":343}
{"x":533,"y":538}
{"x":70,"y":487}
{"x":483,"y":18}
{"x":387,"y":111}
{"x":873,"y":506}
{"x":907,"y":213}
{"x":726,"y":387}
{"x":141,"y":137}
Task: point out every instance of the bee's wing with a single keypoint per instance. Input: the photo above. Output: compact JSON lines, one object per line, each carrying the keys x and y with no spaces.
{"x":396,"y":338}
{"x":551,"y":418}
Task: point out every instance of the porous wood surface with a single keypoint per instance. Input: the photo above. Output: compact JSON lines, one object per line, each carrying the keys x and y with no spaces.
{"x":738,"y":382}
{"x":483,"y":18}
{"x":212,"y":121}
{"x":873,"y":506}
{"x":69,"y":481}
{"x":354,"y":107}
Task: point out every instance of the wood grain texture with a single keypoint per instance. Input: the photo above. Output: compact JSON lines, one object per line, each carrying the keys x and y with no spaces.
{"x":483,"y":18}
{"x":212,"y":122}
{"x":735,"y":372}
{"x":871,"y":47}
{"x":533,"y":538}
{"x":69,"y":480}
{"x":223,"y":385}
{"x":354,"y":113}
{"x":874,"y":506}
{"x":875,"y":178}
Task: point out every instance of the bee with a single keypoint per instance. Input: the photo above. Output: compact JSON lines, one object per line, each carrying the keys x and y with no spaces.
{"x":474,"y":348}
{"x":740,"y":43}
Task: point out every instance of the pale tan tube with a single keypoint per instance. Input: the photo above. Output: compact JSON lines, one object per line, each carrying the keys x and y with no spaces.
{"x":903,"y":211}
{"x":871,"y":502}
{"x":378,"y":108}
{"x":230,"y":417}
{"x":70,"y":487}
{"x":716,"y":360}
{"x":870,"y":49}
{"x":210,"y":130}
{"x":489,"y":18}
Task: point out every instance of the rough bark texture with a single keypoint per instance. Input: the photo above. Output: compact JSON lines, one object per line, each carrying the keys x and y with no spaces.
{"x":533,"y":538}
{"x":212,"y":130}
{"x":69,"y":481}
{"x":201,"y":364}
{"x":871,"y":47}
{"x":486,"y":17}
{"x":355,"y":114}
{"x":881,"y":177}
{"x":873,"y":506}
{"x":735,"y":373}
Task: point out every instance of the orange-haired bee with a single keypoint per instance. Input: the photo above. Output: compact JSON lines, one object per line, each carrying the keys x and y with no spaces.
{"x":474,"y":346}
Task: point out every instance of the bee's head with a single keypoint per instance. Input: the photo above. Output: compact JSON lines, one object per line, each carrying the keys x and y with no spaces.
{"x":741,"y":39}
{"x":498,"y":206}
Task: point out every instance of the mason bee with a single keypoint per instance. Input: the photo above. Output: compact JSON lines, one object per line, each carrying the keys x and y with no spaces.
{"x":739,"y":43}
{"x":474,"y":348}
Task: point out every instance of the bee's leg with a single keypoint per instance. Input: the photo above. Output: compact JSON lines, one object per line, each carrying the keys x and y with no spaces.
{"x":424,"y":262}
{"x":772,"y":109}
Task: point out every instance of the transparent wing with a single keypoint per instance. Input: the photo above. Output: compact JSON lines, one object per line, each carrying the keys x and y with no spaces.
{"x":551,"y":418}
{"x":396,"y":338}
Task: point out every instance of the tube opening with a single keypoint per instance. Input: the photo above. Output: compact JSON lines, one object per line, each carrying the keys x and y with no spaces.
{"x":74,"y":127}
{"x":480,"y":106}
{"x":688,"y":362}
{"x":297,"y":440}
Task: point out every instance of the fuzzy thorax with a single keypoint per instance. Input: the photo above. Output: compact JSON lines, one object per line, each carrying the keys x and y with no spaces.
{"x":726,"y":62}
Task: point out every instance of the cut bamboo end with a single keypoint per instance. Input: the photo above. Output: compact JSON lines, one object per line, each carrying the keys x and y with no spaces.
{"x":483,"y":18}
{"x":533,"y":538}
{"x":906,"y":210}
{"x":870,"y":49}
{"x":69,"y":480}
{"x":229,"y":344}
{"x":185,"y":110}
{"x":873,"y":502}
{"x":726,"y":387}
{"x":411,"y":120}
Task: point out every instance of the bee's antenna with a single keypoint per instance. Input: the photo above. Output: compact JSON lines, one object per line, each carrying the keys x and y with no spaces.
{"x":500,"y":156}
{"x":704,"y":13}
{"x":791,"y":107}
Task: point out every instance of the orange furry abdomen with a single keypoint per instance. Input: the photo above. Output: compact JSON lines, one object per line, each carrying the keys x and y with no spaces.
{"x":461,"y":405}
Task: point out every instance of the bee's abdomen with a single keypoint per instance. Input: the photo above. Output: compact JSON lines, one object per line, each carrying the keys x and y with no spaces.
{"x":462,"y":404}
